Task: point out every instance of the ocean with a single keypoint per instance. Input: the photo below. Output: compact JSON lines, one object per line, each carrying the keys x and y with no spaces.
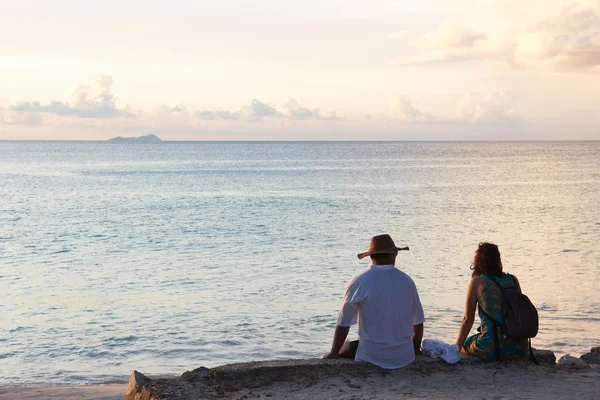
{"x":167,"y":257}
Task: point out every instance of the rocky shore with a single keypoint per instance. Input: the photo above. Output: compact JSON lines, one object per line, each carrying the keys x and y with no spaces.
{"x":570,"y":377}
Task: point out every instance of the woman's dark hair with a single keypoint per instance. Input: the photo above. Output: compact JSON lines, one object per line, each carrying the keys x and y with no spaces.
{"x":487,"y":261}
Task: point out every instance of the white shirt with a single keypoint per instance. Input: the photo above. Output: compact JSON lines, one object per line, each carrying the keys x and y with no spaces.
{"x":385,"y":303}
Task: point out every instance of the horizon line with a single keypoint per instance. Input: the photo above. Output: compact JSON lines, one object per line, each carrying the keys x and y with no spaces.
{"x":312,"y":141}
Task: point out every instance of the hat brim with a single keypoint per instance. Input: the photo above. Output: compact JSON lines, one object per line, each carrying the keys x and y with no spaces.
{"x":386,"y":251}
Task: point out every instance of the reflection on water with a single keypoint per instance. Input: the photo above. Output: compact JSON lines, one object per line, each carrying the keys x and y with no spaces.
{"x":166,"y":257}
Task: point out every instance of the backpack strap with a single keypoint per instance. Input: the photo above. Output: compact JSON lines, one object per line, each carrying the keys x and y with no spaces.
{"x":494,"y":321}
{"x":496,"y":282}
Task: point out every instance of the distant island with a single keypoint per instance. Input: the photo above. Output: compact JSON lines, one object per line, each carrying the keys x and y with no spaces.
{"x":142,"y":139}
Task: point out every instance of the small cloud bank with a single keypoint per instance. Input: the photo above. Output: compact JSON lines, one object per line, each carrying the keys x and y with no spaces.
{"x":403,"y":109}
{"x":492,"y":108}
{"x":8,"y":117}
{"x":296,"y":111}
{"x":258,"y":110}
{"x":212,"y":115}
{"x":92,"y":100}
{"x":495,"y":108}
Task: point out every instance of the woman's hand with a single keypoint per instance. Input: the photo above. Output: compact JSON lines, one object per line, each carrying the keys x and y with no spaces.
{"x":331,"y":356}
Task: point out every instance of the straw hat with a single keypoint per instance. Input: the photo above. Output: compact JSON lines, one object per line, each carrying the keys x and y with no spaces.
{"x":381,"y":244}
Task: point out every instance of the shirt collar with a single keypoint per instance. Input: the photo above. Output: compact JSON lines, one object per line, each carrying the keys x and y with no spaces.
{"x":383,"y":267}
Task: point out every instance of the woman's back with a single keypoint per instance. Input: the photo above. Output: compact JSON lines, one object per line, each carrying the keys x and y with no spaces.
{"x":489,"y":304}
{"x":490,"y":298}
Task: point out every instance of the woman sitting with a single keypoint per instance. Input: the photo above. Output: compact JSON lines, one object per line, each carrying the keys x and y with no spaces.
{"x":484,"y":293}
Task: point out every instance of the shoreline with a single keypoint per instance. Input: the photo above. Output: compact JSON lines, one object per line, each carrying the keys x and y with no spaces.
{"x":81,"y":392}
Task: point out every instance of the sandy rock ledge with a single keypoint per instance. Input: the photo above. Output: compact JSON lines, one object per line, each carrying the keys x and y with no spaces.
{"x":233,"y":380}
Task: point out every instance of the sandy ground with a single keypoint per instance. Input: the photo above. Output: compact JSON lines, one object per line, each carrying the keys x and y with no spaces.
{"x":472,"y":382}
{"x":111,"y":392}
{"x":482,"y":381}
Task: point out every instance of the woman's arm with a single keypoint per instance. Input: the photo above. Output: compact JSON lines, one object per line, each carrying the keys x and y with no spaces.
{"x":469,"y":317}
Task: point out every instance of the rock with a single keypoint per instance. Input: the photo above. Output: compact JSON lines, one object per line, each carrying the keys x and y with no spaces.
{"x":137,"y":380}
{"x":464,"y":360}
{"x":222,"y":382}
{"x":591,"y":358}
{"x":256,"y":374}
{"x":572,"y":362}
{"x":190,"y":385}
{"x":595,"y":350}
{"x":544,"y":356}
{"x":196,"y":374}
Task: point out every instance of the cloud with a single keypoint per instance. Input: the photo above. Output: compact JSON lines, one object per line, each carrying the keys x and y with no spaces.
{"x":255,"y":110}
{"x":404,"y":110}
{"x":166,"y":113}
{"x":260,"y":109}
{"x":206,"y":115}
{"x":450,"y":35}
{"x":491,"y":108}
{"x":26,"y":118}
{"x":228,"y":115}
{"x":450,"y":42}
{"x":446,"y":57}
{"x":92,"y":100}
{"x":295,"y":111}
{"x":219,"y":114}
{"x":567,"y":39}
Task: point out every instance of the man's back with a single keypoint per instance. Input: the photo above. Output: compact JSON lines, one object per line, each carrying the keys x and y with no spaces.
{"x":385,"y":302}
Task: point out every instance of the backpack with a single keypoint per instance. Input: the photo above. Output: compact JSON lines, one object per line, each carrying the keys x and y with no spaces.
{"x":520,"y":317}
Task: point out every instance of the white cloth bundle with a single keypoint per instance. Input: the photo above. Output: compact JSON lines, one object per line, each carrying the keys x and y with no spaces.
{"x":436,"y":349}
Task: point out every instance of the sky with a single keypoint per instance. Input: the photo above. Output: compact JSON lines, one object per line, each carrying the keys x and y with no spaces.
{"x":300,"y":70}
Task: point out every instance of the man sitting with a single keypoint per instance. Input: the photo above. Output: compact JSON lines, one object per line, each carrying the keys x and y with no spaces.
{"x":385,"y":303}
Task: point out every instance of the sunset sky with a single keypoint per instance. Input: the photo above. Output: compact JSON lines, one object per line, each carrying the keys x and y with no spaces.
{"x":302,"y":70}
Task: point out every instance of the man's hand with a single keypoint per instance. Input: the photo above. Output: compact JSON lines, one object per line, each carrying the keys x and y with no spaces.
{"x":339,"y":337}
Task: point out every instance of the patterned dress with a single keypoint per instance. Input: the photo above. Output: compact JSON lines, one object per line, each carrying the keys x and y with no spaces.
{"x":482,"y":343}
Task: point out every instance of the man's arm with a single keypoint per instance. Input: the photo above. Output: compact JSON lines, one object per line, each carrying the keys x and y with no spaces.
{"x":348,"y":316}
{"x":418,"y":338}
{"x":339,"y":337}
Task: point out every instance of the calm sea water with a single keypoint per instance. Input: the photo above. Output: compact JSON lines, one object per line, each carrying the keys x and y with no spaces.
{"x":167,"y":257}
